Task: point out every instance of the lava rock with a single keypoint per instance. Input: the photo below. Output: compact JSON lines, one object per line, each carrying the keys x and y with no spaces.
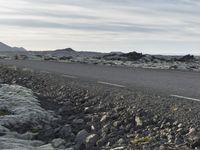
{"x":66,"y":132}
{"x":58,"y":143}
{"x":78,"y":121}
{"x":81,"y":137}
{"x":91,"y":140}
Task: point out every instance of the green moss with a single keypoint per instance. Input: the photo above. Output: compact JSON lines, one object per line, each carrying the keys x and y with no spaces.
{"x":35,"y":130}
{"x":4,"y":112}
{"x":139,"y":141}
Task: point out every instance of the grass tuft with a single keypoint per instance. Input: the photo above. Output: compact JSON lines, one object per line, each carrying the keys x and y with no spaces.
{"x":139,"y":141}
{"x":4,"y":112}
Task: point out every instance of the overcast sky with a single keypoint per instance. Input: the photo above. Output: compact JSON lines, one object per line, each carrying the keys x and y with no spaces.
{"x":148,"y":26}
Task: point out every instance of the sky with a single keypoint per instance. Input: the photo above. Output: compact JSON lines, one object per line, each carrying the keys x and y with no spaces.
{"x":147,"y":26}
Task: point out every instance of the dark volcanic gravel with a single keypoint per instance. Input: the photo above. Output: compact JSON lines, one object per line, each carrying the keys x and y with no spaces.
{"x":102,"y":117}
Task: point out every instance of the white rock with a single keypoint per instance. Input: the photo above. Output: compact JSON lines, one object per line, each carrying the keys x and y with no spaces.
{"x":138,"y":121}
{"x":191,"y":131}
{"x":118,"y":148}
{"x":104,"y":118}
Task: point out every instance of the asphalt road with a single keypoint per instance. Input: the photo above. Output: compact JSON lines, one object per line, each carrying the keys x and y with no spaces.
{"x":182,"y":84}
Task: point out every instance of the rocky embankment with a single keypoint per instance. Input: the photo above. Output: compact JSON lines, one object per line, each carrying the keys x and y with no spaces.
{"x":20,"y":116}
{"x":51,"y":112}
{"x":138,"y":60}
{"x":132,"y":59}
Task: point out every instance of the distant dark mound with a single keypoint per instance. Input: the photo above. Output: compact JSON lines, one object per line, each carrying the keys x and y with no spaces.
{"x":65,"y":50}
{"x":187,"y":58}
{"x":113,"y":56}
{"x":133,"y":56}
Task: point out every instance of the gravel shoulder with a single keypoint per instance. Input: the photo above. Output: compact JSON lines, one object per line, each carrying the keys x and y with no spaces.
{"x":102,"y":117}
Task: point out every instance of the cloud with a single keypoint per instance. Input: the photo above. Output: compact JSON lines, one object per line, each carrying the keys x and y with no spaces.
{"x":117,"y":27}
{"x":132,"y":21}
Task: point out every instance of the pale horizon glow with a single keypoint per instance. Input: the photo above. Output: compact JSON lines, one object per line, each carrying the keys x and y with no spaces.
{"x":153,"y":26}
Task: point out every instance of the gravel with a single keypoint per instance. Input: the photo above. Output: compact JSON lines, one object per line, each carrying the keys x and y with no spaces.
{"x":83,"y":115}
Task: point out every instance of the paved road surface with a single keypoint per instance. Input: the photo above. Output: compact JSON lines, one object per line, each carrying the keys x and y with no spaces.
{"x":181,"y":84}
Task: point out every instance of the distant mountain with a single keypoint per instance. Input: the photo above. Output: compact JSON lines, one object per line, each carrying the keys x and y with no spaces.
{"x":6,"y":48}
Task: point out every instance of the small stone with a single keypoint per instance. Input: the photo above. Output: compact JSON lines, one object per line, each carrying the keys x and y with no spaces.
{"x":71,"y":148}
{"x":138,"y":121}
{"x":122,"y":128}
{"x":155,"y":118}
{"x":195,"y":141}
{"x":175,"y":109}
{"x":118,"y":148}
{"x":78,"y":121}
{"x":46,"y":147}
{"x":95,"y":118}
{"x":14,"y":82}
{"x":101,"y":142}
{"x":66,"y":131}
{"x":175,"y":123}
{"x":3,"y":129}
{"x":128,"y":127}
{"x":86,"y":109}
{"x":156,"y":129}
{"x":57,"y":143}
{"x":180,"y":125}
{"x":121,"y":141}
{"x":168,"y":124}
{"x":105,"y":128}
{"x":178,"y":140}
{"x":179,"y":130}
{"x":130,"y":136}
{"x":27,"y":136}
{"x":162,"y":147}
{"x":108,"y":144}
{"x":104,"y":118}
{"x":170,"y":138}
{"x":92,"y":127}
{"x":36,"y":143}
{"x":91,"y":140}
{"x":191,"y":131}
{"x":81,"y":137}
{"x":116,"y":123}
{"x":72,"y":117}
